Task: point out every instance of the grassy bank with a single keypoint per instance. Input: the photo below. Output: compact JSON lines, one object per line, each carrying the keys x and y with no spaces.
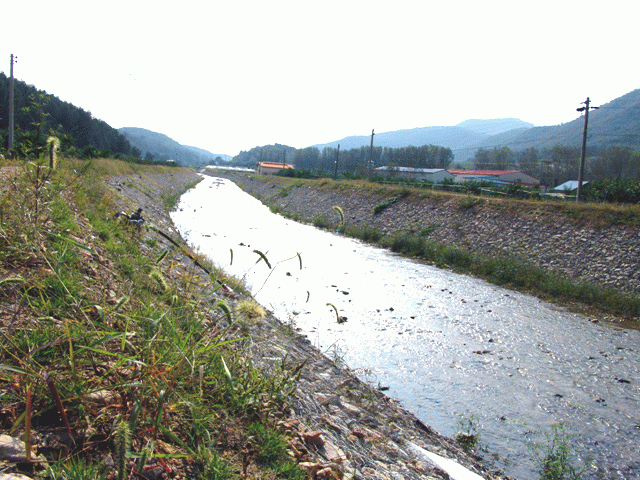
{"x":105,"y":351}
{"x":510,"y":272}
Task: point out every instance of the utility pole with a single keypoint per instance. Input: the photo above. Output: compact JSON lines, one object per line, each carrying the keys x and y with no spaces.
{"x":284,"y":158}
{"x":335,"y":175}
{"x":10,"y":143}
{"x":584,"y":145}
{"x":370,"y":156}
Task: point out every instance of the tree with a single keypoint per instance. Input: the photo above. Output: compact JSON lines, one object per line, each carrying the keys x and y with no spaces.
{"x":307,"y":158}
{"x":564,"y":163}
{"x":528,"y":161}
{"x":482,"y":160}
{"x":445,"y":158}
{"x":504,"y":158}
{"x":613,"y":162}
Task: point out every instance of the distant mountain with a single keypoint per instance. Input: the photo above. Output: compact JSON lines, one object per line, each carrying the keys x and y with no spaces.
{"x":200,"y":151}
{"x":616,"y":123}
{"x":461,"y":136}
{"x":494,"y":127}
{"x":165,"y":148}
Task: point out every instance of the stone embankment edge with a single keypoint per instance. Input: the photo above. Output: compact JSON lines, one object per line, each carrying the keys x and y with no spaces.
{"x":604,"y":255}
{"x":347,"y":428}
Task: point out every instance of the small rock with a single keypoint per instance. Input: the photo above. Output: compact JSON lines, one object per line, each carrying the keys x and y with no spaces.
{"x":325,"y":473}
{"x":12,"y":449}
{"x":310,"y":467}
{"x":13,"y":476}
{"x":314,"y":438}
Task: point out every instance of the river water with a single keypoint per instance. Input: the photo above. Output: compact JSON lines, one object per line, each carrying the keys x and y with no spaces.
{"x":452,"y":349}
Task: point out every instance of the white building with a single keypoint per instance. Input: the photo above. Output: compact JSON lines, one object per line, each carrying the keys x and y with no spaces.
{"x":503,"y":176}
{"x":434,"y":175}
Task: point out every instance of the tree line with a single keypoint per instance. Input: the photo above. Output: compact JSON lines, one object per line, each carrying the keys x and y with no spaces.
{"x":562,"y":163}
{"x":551,"y":166}
{"x":351,"y":161}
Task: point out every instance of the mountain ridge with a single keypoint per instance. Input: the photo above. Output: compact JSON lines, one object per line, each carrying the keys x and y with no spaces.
{"x":162,"y":147}
{"x":616,"y":123}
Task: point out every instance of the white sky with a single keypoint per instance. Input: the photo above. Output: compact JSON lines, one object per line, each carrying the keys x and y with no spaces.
{"x":230,"y":75}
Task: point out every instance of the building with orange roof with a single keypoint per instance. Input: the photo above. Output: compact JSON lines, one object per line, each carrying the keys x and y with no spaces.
{"x":269,"y":168}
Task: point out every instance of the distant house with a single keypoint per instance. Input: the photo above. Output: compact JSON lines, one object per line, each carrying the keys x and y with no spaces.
{"x":568,"y":186}
{"x":494,"y":176}
{"x":269,"y":168}
{"x":435,"y":175}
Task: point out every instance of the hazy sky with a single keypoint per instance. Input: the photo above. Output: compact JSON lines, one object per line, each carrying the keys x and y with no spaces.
{"x":230,"y":75}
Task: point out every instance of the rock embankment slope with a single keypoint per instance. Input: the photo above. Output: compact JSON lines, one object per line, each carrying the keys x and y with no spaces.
{"x":341,"y":427}
{"x":605,"y":255}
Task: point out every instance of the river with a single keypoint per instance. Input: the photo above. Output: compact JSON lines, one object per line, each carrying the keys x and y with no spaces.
{"x":454,"y":350}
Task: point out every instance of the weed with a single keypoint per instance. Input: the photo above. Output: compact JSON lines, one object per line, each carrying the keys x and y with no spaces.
{"x":250,"y":309}
{"x":428,"y":230}
{"x":77,"y":469}
{"x":340,"y":213}
{"x":469,"y":201}
{"x":377,"y":209}
{"x":555,"y":458}
{"x":322,"y":221}
{"x":468,"y":433}
{"x":271,"y":450}
{"x":366,"y":233}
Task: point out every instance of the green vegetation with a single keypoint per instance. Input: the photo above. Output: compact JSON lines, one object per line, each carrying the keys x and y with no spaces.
{"x":468,"y":434}
{"x":107,"y":345}
{"x":555,"y":457}
{"x":615,"y":190}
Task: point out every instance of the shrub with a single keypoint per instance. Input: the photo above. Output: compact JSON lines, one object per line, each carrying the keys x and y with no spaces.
{"x":322,"y":221}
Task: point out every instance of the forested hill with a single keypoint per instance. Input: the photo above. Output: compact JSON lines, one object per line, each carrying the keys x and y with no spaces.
{"x":463,"y":135}
{"x":161,"y":147}
{"x":76,"y":127}
{"x":616,"y":123}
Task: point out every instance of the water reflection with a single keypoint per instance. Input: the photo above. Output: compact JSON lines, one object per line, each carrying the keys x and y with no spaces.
{"x":446,"y":345}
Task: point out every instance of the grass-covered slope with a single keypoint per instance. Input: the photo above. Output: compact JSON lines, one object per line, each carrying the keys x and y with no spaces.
{"x":119,"y":357}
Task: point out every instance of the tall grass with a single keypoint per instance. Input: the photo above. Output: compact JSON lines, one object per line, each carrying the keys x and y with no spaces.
{"x":102,"y":315}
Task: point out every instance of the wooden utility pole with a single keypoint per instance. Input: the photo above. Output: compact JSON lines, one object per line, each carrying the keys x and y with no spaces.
{"x":10,"y":143}
{"x":370,"y":156}
{"x":335,"y":175}
{"x":584,"y":145}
